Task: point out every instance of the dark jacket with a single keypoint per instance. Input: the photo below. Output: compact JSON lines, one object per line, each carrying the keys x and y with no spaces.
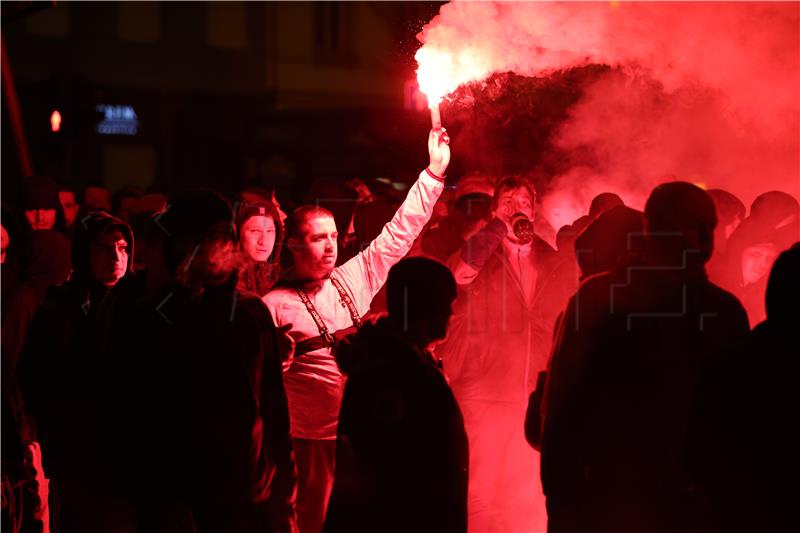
{"x":207,"y":414}
{"x":743,"y":445}
{"x":47,"y":264}
{"x":626,"y":362}
{"x":498,"y":341}
{"x":401,"y":450}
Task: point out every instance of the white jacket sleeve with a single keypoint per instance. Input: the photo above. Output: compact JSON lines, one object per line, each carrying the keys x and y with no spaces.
{"x":365,"y":274}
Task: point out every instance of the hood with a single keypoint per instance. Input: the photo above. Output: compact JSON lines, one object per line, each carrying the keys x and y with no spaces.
{"x":610,"y":238}
{"x":88,"y":229}
{"x":781,"y":230}
{"x":773,"y":208}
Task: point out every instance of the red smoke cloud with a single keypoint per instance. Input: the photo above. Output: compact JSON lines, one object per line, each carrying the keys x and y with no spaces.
{"x":706,"y":92}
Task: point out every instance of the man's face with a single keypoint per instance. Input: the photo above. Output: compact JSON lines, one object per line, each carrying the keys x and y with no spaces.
{"x":108,"y":257}
{"x":515,"y":201}
{"x":756,"y":262}
{"x":41,"y":218}
{"x":67,"y":199}
{"x":258,"y":237}
{"x":316,"y":249}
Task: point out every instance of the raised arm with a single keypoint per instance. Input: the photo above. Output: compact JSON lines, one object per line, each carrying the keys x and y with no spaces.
{"x":366,"y":273}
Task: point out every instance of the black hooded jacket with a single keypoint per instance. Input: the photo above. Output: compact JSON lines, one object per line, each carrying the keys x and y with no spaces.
{"x":743,"y":444}
{"x":46,"y":264}
{"x":64,"y":368}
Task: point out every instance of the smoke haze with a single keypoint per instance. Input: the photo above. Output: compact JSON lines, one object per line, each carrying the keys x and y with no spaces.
{"x":704,"y":92}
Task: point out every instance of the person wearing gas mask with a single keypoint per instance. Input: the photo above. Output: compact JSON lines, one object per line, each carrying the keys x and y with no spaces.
{"x":499,"y":340}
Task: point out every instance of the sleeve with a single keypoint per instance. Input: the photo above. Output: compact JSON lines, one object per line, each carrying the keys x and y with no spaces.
{"x":366,"y":273}
{"x":561,"y":408}
{"x":277,"y":441}
{"x":16,"y":320}
{"x":33,"y":369}
{"x":468,"y":262}
{"x":534,"y":413}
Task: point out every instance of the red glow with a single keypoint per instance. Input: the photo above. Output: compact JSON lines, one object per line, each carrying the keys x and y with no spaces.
{"x":718,"y":107}
{"x":55,"y":121}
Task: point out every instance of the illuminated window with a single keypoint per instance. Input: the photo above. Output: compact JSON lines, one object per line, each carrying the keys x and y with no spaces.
{"x":117,"y":120}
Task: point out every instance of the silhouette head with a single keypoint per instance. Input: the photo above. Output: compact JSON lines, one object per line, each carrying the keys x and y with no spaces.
{"x":679,"y":225}
{"x":603,"y":202}
{"x":420,"y":294}
{"x":614,"y":235}
{"x":783,"y":289}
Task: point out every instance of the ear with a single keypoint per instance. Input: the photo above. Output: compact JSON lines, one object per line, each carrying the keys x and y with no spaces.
{"x":294,"y":244}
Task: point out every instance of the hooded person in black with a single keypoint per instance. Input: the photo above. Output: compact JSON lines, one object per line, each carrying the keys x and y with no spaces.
{"x":66,"y":381}
{"x":46,"y":264}
{"x":773,"y":225}
{"x":627,"y":359}
{"x":743,"y":444}
{"x":401,"y":447}
{"x":207,"y":418}
{"x":613,"y":239}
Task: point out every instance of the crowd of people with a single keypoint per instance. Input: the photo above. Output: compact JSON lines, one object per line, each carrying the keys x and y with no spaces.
{"x":402,"y":365}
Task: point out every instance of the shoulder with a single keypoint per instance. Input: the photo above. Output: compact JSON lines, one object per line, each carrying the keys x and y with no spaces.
{"x":544,"y":253}
{"x":725,"y":300}
{"x":250,"y":301}
{"x":600,"y":283}
{"x":279,"y":295}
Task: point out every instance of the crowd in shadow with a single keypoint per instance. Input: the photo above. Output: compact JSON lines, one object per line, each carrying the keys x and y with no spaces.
{"x":398,"y":367}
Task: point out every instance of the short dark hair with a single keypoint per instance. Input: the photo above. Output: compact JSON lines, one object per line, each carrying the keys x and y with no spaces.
{"x":293,"y":223}
{"x":299,"y":217}
{"x":418,"y":288}
{"x":678,"y":205}
{"x":512,"y":183}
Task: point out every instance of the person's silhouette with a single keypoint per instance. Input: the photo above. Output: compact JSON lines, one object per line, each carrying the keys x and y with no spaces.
{"x":742,"y":443}
{"x":402,"y":457}
{"x":627,"y":359}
